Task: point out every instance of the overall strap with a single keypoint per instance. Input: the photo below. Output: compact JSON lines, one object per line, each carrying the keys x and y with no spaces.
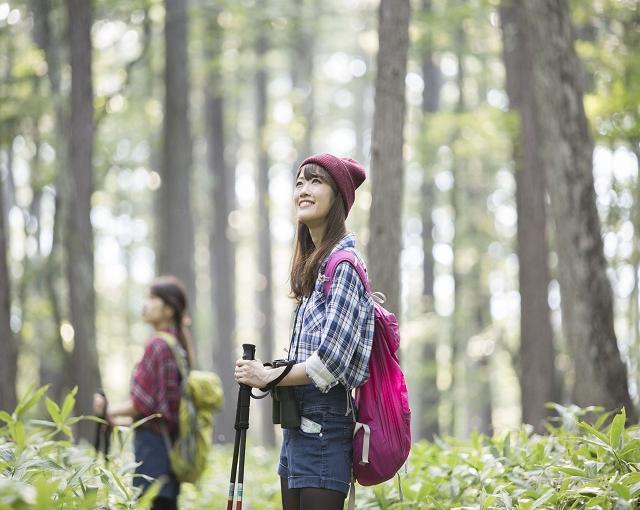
{"x":334,"y":260}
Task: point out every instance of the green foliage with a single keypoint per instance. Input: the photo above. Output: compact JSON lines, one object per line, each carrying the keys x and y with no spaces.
{"x":41,"y":468}
{"x":578,"y":464}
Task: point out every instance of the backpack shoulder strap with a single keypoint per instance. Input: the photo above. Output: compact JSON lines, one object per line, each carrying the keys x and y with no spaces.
{"x":337,"y":258}
{"x":172,"y":342}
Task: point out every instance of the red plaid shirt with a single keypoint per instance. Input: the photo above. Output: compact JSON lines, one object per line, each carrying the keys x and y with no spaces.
{"x":155,"y":384}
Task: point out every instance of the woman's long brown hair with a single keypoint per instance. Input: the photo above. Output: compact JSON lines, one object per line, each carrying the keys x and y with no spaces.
{"x":307,"y":257}
{"x":173,"y":293}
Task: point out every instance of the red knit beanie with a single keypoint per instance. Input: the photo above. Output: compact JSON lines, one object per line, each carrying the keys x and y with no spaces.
{"x":346,"y":172}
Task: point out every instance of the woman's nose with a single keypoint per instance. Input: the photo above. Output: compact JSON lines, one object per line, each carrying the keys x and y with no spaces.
{"x":303,"y":189}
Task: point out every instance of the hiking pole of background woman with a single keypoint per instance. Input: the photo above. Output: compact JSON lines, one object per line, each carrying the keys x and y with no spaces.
{"x":103,"y":431}
{"x":241,"y":426}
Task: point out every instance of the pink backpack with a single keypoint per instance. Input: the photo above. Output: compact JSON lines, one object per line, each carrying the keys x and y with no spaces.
{"x":382,"y":435}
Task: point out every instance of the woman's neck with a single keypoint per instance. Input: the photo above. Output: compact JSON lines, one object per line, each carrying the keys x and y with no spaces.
{"x":163,"y":325}
{"x":317,"y":233}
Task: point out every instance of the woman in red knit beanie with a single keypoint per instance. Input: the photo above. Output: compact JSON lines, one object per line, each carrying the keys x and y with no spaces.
{"x":330,"y":343}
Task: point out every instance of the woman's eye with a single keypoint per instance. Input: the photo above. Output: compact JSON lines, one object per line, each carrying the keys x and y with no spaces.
{"x":298,"y":184}
{"x":316,"y":180}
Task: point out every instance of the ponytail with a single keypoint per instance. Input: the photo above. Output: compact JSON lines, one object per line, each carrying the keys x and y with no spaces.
{"x":186,"y":341}
{"x":172,"y":291}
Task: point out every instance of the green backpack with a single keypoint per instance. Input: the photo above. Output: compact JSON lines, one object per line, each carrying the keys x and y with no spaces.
{"x":201,"y":394}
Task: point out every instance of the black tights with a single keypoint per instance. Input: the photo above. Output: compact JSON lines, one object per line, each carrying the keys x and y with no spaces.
{"x":164,"y":504}
{"x":310,"y":498}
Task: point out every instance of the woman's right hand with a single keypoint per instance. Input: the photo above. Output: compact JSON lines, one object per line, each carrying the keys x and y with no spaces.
{"x":99,"y":404}
{"x":253,"y":373}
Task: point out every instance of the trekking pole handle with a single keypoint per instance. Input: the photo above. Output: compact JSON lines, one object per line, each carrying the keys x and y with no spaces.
{"x":244,"y":394}
{"x":249,"y":351}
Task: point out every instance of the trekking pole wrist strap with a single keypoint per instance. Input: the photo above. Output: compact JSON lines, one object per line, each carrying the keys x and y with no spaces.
{"x":278,"y":379}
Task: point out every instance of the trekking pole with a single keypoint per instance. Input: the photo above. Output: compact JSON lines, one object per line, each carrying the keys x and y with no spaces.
{"x":241,"y":426}
{"x":103,"y":432}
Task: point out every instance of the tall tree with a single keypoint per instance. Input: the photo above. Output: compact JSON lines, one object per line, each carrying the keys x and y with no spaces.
{"x":221,"y":247}
{"x":387,"y":169}
{"x":479,"y":405}
{"x":175,"y":242}
{"x":302,"y":73}
{"x":536,"y":369}
{"x":265,"y":285}
{"x":48,"y":40}
{"x":79,"y":235}
{"x":432,"y":77}
{"x":456,"y":393}
{"x":7,"y":340}
{"x":471,"y":391}
{"x":566,"y":151}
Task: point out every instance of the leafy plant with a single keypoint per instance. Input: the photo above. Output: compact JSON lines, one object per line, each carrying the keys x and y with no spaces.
{"x":579,"y":464}
{"x":42,"y":468}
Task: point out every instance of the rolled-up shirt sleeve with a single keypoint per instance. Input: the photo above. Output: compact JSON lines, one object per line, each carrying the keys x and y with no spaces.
{"x":347,"y":334}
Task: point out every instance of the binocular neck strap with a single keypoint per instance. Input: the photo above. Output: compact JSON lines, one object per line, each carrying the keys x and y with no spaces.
{"x":278,"y":379}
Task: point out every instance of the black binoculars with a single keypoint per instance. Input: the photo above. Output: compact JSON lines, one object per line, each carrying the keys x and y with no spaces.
{"x":285,"y":406}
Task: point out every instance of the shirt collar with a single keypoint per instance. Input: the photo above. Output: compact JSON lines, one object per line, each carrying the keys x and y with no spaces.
{"x":348,"y":241}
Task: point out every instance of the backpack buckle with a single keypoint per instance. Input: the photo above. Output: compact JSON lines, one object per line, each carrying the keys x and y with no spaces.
{"x":378,"y":297}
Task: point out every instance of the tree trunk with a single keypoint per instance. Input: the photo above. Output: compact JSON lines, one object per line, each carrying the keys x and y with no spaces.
{"x":302,"y":75}
{"x":221,"y":247}
{"x":634,"y":299}
{"x":8,"y":345}
{"x":457,"y":333}
{"x":175,"y":243}
{"x":265,"y":284}
{"x":537,"y":370}
{"x":429,"y":396}
{"x":56,"y":369}
{"x":477,"y":355}
{"x":79,"y":235}
{"x":387,"y":169}
{"x":566,"y":151}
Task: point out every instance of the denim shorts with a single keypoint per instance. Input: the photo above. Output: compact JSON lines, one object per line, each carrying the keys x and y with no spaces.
{"x":318,"y":453}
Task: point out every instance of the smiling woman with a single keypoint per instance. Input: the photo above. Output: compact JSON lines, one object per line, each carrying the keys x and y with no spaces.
{"x":314,"y":195}
{"x":330,"y":343}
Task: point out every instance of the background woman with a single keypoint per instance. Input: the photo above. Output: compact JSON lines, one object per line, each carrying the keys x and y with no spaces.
{"x":155,"y":389}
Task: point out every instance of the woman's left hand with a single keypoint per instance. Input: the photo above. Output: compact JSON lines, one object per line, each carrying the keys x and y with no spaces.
{"x":252,"y":373}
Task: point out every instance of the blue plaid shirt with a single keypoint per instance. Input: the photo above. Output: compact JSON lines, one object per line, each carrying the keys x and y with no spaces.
{"x":334,"y":335}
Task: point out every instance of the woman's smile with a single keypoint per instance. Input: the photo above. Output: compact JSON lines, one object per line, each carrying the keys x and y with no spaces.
{"x":313,"y":199}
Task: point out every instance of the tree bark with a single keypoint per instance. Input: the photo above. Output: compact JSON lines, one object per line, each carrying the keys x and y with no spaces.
{"x":429,"y":396}
{"x":457,"y":331}
{"x":221,"y":246}
{"x":634,"y":299}
{"x":8,"y":346}
{"x":387,"y":169}
{"x":56,"y":369}
{"x":302,"y":75}
{"x":265,"y":277}
{"x":79,"y":234}
{"x":175,"y":243}
{"x":566,"y":151}
{"x":537,"y":354}
{"x":477,"y":354}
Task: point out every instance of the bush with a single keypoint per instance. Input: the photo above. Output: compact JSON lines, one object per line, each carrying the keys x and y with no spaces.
{"x":577,"y":465}
{"x":42,"y":469}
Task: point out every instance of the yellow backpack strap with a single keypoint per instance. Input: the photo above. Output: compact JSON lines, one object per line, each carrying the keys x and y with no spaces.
{"x":178,"y":353}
